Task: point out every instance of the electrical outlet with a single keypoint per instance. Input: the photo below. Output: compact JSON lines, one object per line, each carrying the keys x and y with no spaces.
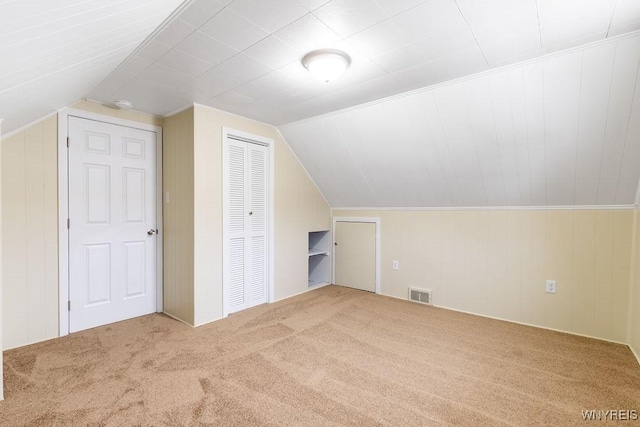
{"x":394,"y":264}
{"x":551,"y":286}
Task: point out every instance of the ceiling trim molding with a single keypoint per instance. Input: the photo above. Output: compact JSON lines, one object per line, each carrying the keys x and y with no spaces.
{"x":465,"y":78}
{"x":491,"y":208}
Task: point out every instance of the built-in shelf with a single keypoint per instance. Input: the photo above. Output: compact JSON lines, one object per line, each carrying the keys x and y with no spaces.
{"x":319,"y":260}
{"x":318,"y":253}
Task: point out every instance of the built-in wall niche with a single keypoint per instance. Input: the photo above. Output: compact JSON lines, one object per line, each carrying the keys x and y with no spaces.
{"x":319,"y":260}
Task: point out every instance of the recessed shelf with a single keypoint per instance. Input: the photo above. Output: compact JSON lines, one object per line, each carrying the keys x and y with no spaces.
{"x":319,"y":263}
{"x":326,"y":253}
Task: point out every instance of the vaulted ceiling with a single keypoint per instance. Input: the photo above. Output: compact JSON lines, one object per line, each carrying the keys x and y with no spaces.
{"x":560,"y":128}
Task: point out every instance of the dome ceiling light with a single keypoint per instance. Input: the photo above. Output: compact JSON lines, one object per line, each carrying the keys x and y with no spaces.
{"x":326,"y":64}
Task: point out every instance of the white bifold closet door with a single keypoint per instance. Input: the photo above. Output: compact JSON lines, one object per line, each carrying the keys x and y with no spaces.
{"x":246,"y":229}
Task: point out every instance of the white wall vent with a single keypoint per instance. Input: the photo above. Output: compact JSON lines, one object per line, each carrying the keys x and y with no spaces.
{"x":422,"y":296}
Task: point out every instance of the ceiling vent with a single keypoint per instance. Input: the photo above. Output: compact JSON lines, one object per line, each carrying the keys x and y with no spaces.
{"x":422,"y":296}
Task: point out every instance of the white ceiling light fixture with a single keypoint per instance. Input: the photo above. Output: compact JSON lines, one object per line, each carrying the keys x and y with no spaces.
{"x":326,"y":64}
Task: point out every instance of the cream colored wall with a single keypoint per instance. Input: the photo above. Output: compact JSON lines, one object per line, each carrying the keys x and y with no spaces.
{"x":495,"y":263}
{"x":299,"y":208}
{"x":29,"y":228}
{"x":1,"y":366}
{"x":178,"y":215}
{"x":30,"y":234}
{"x":634,"y":294}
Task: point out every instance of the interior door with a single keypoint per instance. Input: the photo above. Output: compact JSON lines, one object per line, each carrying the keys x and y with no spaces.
{"x":355,"y":255}
{"x":245,"y":266}
{"x":112,"y":227}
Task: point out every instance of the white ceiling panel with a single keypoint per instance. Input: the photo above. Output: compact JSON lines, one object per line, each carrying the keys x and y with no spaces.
{"x":184,"y":63}
{"x":597,"y":66}
{"x":65,"y":48}
{"x":567,"y":23}
{"x":307,"y":33}
{"x":204,"y":48}
{"x":628,"y":178}
{"x":378,"y":39}
{"x":626,"y":17}
{"x":414,"y":43}
{"x":200,"y":11}
{"x":270,"y":16}
{"x":234,"y":30}
{"x":561,"y":130}
{"x":625,"y":67}
{"x":347,"y":17}
{"x":556,"y":129}
{"x":272,"y":52}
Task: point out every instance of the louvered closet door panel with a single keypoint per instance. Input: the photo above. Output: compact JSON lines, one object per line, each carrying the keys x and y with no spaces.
{"x":246,"y":209}
{"x":256,"y":291}
{"x":236,"y":274}
{"x":237,"y":166}
{"x":237,"y":226}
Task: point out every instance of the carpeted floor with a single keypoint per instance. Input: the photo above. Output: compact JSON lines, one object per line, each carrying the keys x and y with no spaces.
{"x":334,"y":356}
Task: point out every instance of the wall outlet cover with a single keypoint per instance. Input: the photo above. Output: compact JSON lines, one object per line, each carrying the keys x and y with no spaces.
{"x":551,"y":286}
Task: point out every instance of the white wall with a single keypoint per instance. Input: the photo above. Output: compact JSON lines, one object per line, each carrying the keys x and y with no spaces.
{"x":495,"y":263}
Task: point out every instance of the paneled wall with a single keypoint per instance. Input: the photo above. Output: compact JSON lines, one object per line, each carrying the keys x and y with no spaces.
{"x":177,"y":180}
{"x":634,"y":300}
{"x":30,"y":227}
{"x":495,"y":263}
{"x":30,"y":234}
{"x":299,"y":208}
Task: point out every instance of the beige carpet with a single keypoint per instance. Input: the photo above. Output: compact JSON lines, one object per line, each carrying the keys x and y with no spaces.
{"x":334,"y":356}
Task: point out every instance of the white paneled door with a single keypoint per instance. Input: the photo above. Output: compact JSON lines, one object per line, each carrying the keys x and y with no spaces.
{"x":246,"y":237}
{"x":112,"y":223}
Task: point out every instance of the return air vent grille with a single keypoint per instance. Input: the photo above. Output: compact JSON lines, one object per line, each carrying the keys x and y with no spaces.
{"x":422,"y":296}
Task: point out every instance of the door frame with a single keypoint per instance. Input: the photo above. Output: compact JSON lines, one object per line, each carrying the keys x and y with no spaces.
{"x":269,"y":143}
{"x":376,"y":221}
{"x":63,"y":205}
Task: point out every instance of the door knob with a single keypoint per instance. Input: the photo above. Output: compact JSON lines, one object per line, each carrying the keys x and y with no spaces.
{"x":152,"y":232}
{"x":250,"y":213}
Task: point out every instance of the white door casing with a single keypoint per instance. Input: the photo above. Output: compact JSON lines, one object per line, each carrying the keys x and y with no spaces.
{"x":112,"y":238}
{"x":247,"y":184}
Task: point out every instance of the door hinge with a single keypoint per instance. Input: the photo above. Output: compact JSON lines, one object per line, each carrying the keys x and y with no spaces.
{"x":69,"y":305}
{"x":68,"y":223}
{"x":67,"y":142}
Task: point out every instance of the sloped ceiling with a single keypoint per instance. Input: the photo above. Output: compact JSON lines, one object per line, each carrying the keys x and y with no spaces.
{"x":243,"y":56}
{"x":53,"y":52}
{"x":561,"y":130}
